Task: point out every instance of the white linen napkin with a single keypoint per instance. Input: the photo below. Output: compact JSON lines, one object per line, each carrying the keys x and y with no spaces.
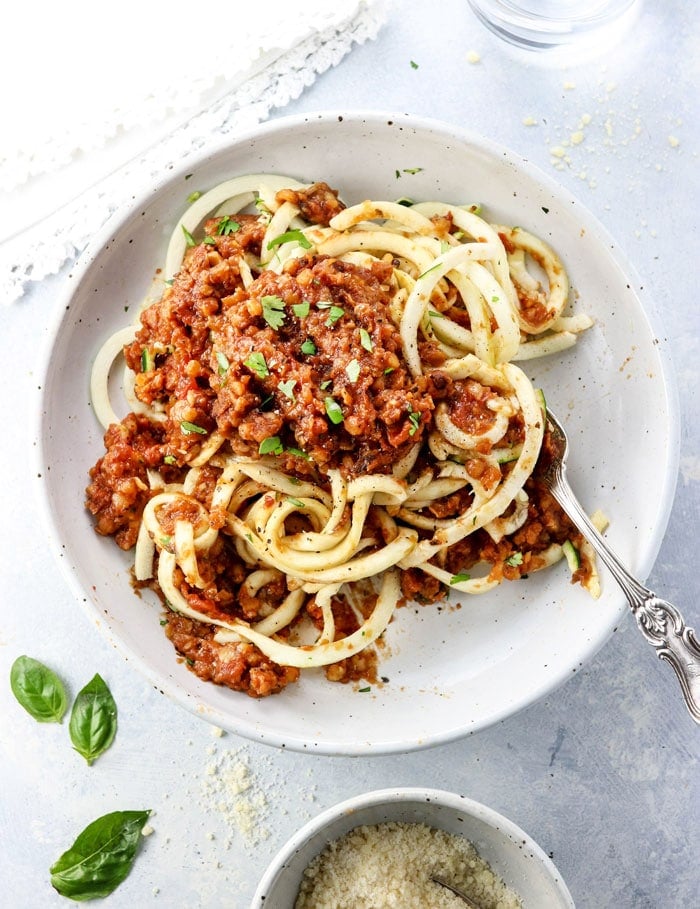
{"x":101,"y":99}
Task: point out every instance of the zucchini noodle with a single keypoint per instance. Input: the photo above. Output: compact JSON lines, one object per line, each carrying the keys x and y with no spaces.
{"x":300,"y":453}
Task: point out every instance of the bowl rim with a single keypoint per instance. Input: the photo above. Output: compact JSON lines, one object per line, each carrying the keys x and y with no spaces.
{"x":398,"y":795}
{"x":372,"y":117}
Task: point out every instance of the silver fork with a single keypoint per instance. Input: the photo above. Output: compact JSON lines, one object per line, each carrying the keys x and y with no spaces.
{"x":660,"y":622}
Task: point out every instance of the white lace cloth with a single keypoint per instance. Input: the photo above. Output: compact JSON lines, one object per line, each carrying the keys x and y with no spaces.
{"x":102,"y":101}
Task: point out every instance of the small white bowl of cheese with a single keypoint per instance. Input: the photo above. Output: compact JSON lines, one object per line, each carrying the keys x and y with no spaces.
{"x":382,"y":848}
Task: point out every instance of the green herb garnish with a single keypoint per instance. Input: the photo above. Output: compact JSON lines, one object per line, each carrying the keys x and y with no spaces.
{"x":515,"y":559}
{"x":366,"y":340}
{"x":353,"y":370}
{"x":296,"y":502}
{"x":188,"y":428}
{"x":147,"y":360}
{"x":301,"y":310}
{"x":256,"y":363}
{"x":222,"y":363}
{"x":287,"y":388}
{"x":288,"y":237}
{"x":170,"y":459}
{"x":412,"y":170}
{"x":193,"y":196}
{"x":458,"y":578}
{"x":297,"y":452}
{"x":273,"y":311}
{"x":271,"y":445}
{"x":414,"y":420}
{"x":308,"y":347}
{"x":334,"y":411}
{"x":188,"y":237}
{"x":227,"y":226}
{"x":334,"y":313}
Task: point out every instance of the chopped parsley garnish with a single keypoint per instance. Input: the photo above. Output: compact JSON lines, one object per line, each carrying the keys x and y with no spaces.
{"x":189,"y":428}
{"x":388,"y":370}
{"x":287,"y":388}
{"x":288,"y":237}
{"x":353,"y":370}
{"x":398,"y":174}
{"x":271,"y":445}
{"x":256,"y":363}
{"x":273,"y":311}
{"x":458,"y":578}
{"x":296,"y":502}
{"x":495,"y":299}
{"x":222,"y":363}
{"x":434,"y":314}
{"x":170,"y":459}
{"x":308,"y":347}
{"x":412,"y":170}
{"x":209,"y":241}
{"x":515,"y":559}
{"x":193,"y":196}
{"x":227,"y":226}
{"x":414,"y":65}
{"x":298,"y":453}
{"x":366,"y":340}
{"x":414,"y":420}
{"x":364,"y":690}
{"x":301,"y":310}
{"x":404,"y":200}
{"x":188,"y":237}
{"x":335,"y":313}
{"x":335,"y":414}
{"x":324,"y":385}
{"x":147,"y":362}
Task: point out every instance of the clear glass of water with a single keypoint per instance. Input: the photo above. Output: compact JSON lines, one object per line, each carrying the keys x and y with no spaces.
{"x":542,"y":24}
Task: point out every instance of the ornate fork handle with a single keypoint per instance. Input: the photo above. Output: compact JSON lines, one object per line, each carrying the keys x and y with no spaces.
{"x":659,"y":621}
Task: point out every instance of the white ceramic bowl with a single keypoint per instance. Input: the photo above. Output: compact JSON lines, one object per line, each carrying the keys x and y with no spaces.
{"x":510,"y":852}
{"x":451,"y":671}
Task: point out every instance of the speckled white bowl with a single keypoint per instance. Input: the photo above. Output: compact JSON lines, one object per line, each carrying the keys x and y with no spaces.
{"x":452,"y":671}
{"x":510,"y":852}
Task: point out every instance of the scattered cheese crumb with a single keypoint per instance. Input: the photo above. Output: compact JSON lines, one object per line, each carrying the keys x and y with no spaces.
{"x":557,"y":151}
{"x":147,"y":830}
{"x":569,"y":86}
{"x":673,"y":141}
{"x":473,"y":57}
{"x":585,"y":120}
{"x":577,"y":138}
{"x":217,"y":731}
{"x":529,"y":121}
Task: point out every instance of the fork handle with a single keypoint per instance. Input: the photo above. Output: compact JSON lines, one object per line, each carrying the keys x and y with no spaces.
{"x":660,"y":622}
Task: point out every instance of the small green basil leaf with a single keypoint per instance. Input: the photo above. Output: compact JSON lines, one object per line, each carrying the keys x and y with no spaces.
{"x":93,"y":720}
{"x":38,"y":689}
{"x":101,"y":857}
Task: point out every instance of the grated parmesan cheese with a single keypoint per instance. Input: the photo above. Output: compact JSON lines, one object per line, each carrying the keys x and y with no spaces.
{"x":388,"y":866}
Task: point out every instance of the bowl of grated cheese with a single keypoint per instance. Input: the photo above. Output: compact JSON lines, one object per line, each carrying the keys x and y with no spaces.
{"x":382,"y":848}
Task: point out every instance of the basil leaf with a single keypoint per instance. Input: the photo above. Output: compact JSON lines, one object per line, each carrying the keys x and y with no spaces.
{"x":93,"y":720}
{"x":38,"y":689}
{"x":101,"y":857}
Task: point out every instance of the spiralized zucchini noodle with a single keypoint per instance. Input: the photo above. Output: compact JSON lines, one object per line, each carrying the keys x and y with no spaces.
{"x":326,"y":418}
